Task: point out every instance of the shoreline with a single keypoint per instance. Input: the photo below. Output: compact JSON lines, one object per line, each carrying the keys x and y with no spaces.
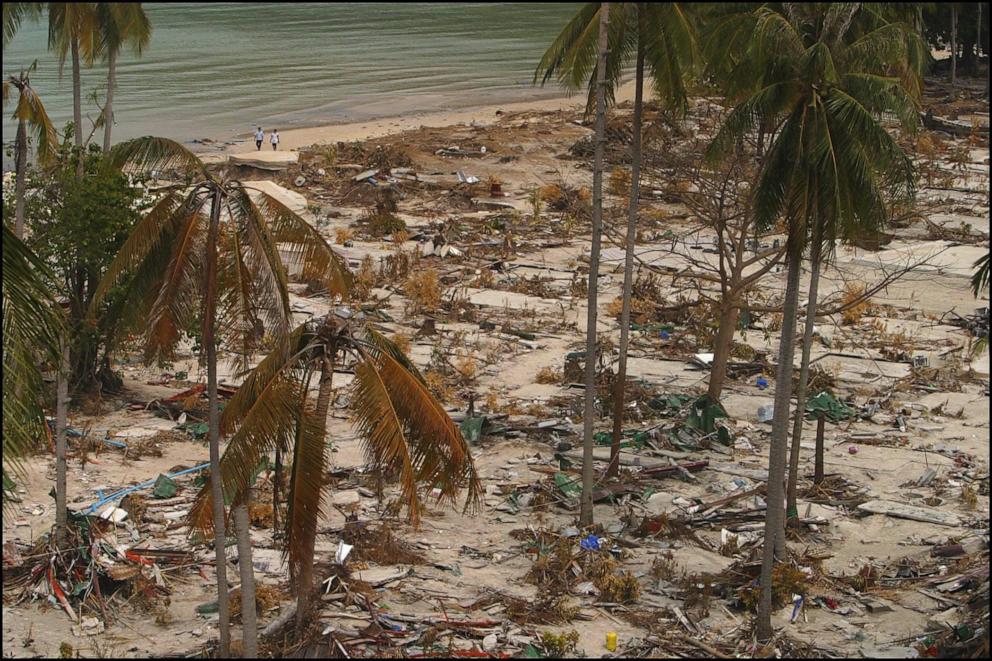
{"x":298,"y":138}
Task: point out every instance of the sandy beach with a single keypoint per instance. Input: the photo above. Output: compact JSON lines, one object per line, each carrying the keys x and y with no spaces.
{"x":295,"y":139}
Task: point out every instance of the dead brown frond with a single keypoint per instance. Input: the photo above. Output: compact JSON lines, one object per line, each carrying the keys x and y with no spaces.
{"x":855,"y":303}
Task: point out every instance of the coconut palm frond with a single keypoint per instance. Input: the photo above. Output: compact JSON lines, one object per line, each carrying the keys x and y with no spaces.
{"x":152,"y":153}
{"x":32,"y":111}
{"x":306,"y":491}
{"x":268,"y":422}
{"x":178,"y":298}
{"x":305,"y":246}
{"x":262,"y":413}
{"x":15,"y":13}
{"x":382,"y":430}
{"x":440,"y":455}
{"x":980,"y":279}
{"x":32,"y":326}
{"x":384,"y":344}
{"x":578,"y":36}
{"x":147,"y":236}
{"x":262,"y":257}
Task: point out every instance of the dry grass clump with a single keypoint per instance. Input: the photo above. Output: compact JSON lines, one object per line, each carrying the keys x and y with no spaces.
{"x":364,"y":280}
{"x":402,"y":342}
{"x":423,"y":288}
{"x":637,"y":306}
{"x":664,"y":567}
{"x":376,"y":543}
{"x":559,"y":645}
{"x":548,"y":375}
{"x":620,"y":182}
{"x":787,"y":580}
{"x":267,"y":597}
{"x":343,"y":234}
{"x":467,"y":368}
{"x":853,"y":292}
{"x":260,"y":514}
{"x":545,"y":609}
{"x":438,"y":386}
{"x":382,"y":223}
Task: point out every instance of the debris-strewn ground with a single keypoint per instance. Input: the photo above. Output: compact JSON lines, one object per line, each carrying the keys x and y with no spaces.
{"x":487,"y":293}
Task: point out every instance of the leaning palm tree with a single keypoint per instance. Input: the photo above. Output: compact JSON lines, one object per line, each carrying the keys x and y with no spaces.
{"x":659,"y":35}
{"x":405,"y":431}
{"x":120,"y":24}
{"x":209,"y":245}
{"x":32,"y":327}
{"x":30,"y":111}
{"x":826,"y":165}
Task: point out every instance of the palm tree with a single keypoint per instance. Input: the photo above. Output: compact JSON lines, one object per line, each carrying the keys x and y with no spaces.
{"x":825,"y":86}
{"x":183,"y":261}
{"x":30,"y":111}
{"x":404,"y":428}
{"x":661,"y":36}
{"x":121,"y":24}
{"x":32,"y":328}
{"x":72,"y":32}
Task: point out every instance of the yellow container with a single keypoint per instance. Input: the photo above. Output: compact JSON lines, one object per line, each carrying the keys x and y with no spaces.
{"x":611,"y":641}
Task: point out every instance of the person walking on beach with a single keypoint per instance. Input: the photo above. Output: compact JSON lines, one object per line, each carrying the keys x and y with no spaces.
{"x":259,"y":137}
{"x":274,"y":139}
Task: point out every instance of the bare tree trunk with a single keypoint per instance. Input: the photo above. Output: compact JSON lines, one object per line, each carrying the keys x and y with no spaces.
{"x":954,"y":47}
{"x":585,"y":512}
{"x":791,"y":507}
{"x":774,"y":512}
{"x":21,"y":172}
{"x":249,"y":619}
{"x":216,"y":484}
{"x":61,"y":422}
{"x":721,"y":351}
{"x":628,"y":267}
{"x":108,"y":109}
{"x":77,"y":106}
{"x":304,"y":585}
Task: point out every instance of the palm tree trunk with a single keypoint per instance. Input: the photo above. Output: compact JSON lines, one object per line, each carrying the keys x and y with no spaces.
{"x":304,"y":585}
{"x":249,"y":619}
{"x":108,"y":109}
{"x":954,"y":47}
{"x":791,"y":507}
{"x":774,"y":512}
{"x":276,"y":489}
{"x":818,"y":461}
{"x":21,"y":172}
{"x":77,"y":106}
{"x":213,"y":422}
{"x":585,"y":512}
{"x":628,"y":267}
{"x":61,"y":421}
{"x":721,"y":350}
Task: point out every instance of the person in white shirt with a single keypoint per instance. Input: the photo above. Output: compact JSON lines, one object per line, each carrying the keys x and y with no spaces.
{"x":259,"y":137}
{"x":274,"y":139}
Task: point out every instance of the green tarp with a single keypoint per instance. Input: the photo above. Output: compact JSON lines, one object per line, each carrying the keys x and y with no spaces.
{"x":828,"y":406}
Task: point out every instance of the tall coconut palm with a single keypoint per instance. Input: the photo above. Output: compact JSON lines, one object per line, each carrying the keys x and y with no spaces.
{"x":30,"y":111}
{"x":660,"y":36}
{"x":209,"y":245}
{"x":32,"y":327}
{"x":404,"y":429}
{"x":827,"y":163}
{"x":121,"y":24}
{"x":73,"y":33}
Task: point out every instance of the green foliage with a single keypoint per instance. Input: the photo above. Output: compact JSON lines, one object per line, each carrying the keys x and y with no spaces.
{"x":77,"y":225}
